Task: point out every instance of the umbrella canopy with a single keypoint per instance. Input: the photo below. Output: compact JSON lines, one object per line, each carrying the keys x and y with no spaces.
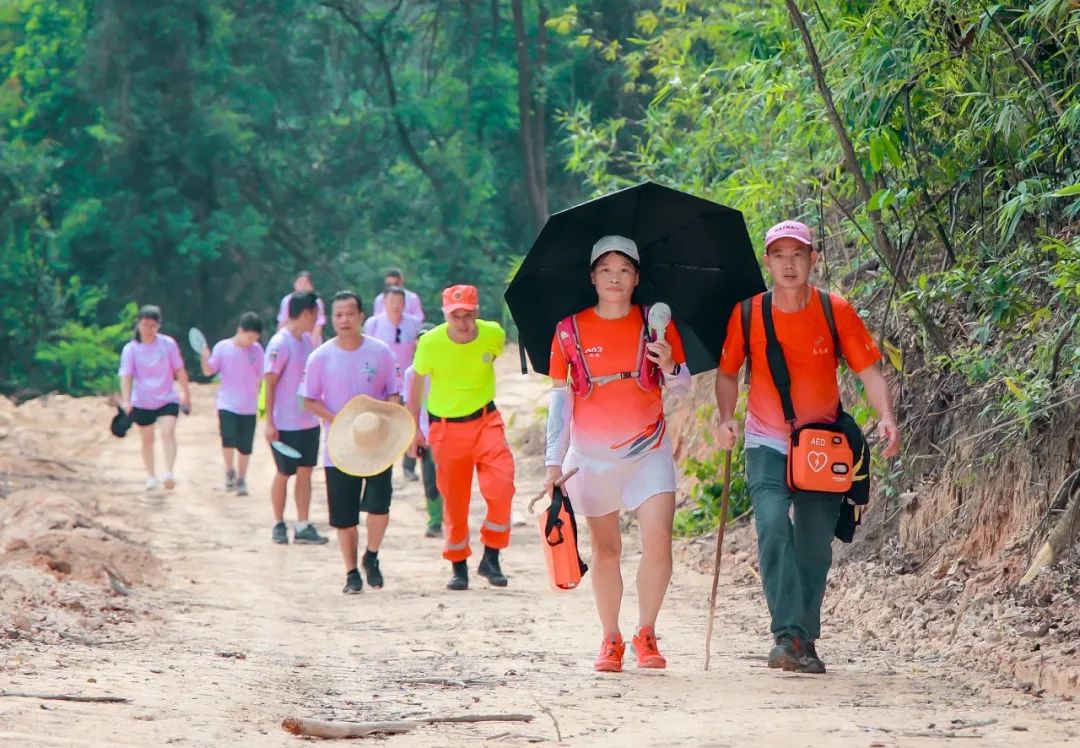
{"x":696,"y":256}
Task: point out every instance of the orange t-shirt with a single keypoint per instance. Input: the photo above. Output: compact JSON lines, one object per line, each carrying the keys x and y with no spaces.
{"x":619,"y":419}
{"x":808,"y":350}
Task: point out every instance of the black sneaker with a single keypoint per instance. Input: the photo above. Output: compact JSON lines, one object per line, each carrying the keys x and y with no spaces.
{"x":411,"y":476}
{"x":309,"y":536}
{"x":787,"y":653}
{"x":811,"y":663}
{"x":280,"y":534}
{"x":460,"y":580}
{"x":371,"y":570}
{"x":354,"y":585}
{"x":241,"y":487}
{"x":433,"y":531}
{"x":230,"y":480}
{"x":489,"y":567}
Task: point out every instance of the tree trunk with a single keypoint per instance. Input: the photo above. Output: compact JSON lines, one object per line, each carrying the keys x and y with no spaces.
{"x":884,"y":245}
{"x":527,"y":114}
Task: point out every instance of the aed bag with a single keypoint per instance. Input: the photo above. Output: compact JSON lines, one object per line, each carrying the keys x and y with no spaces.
{"x":820,"y":457}
{"x":558,"y":530}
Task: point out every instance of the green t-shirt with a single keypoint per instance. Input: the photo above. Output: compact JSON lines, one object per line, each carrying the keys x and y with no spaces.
{"x":462,"y":374}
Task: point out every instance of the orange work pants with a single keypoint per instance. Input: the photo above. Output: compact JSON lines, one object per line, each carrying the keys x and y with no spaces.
{"x":458,"y":449}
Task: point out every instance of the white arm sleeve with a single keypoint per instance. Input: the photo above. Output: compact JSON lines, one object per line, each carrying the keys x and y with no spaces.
{"x":678,"y":383}
{"x":560,"y":411}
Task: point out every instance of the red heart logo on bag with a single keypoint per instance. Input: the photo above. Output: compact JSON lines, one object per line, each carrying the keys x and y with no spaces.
{"x":816,"y":461}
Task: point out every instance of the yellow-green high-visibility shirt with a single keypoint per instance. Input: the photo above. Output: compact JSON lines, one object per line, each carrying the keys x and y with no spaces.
{"x":462,"y":374}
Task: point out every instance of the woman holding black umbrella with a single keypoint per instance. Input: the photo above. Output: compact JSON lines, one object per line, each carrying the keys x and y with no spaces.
{"x":606,"y":418}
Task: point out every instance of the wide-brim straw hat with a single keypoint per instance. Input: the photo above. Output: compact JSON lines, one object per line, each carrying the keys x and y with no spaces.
{"x":367,"y":436}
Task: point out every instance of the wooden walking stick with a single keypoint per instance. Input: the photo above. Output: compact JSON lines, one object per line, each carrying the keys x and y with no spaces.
{"x":719,"y":546}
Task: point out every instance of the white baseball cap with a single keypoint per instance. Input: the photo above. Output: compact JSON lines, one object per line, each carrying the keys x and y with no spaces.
{"x":615,"y":243}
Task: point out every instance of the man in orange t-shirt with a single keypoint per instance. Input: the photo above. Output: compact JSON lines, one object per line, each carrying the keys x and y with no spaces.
{"x":795,"y":556}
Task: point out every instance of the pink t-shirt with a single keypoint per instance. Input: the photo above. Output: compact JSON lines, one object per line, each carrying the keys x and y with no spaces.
{"x":152,"y":368}
{"x":283,"y":312}
{"x":403,"y":344}
{"x":240,"y":369}
{"x":406,"y":388}
{"x":286,"y":356}
{"x":335,"y":376}
{"x":413,"y":307}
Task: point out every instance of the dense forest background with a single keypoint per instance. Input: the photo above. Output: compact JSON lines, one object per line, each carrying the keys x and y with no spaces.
{"x":196,"y":154}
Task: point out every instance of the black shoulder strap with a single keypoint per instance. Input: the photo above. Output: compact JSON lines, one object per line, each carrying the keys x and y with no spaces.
{"x":774,"y":354}
{"x":826,"y":305}
{"x":746,"y":309}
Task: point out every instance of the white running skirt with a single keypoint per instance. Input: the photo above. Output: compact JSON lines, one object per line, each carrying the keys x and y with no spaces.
{"x":604,"y":486}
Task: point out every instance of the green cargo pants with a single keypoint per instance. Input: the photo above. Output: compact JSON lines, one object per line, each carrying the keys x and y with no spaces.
{"x":794,"y":559}
{"x":431,"y":490}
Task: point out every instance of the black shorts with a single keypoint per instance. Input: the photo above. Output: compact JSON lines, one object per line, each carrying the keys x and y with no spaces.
{"x":348,"y":495}
{"x":237,"y":431}
{"x":306,"y":442}
{"x":144,"y":417}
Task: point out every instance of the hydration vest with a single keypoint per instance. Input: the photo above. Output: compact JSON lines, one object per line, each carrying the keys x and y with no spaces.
{"x":647,"y":373}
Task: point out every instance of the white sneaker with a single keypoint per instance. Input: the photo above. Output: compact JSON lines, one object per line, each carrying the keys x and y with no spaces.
{"x":151,"y":483}
{"x":170,"y":482}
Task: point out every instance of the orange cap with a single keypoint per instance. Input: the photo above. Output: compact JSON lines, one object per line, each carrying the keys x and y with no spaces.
{"x":460,"y":297}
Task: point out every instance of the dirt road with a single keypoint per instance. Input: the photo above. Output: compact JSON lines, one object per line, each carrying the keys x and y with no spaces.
{"x":244,"y":633}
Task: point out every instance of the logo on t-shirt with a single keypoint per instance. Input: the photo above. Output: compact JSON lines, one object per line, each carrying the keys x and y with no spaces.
{"x":821,"y":347}
{"x":594,"y":351}
{"x":487,"y":358}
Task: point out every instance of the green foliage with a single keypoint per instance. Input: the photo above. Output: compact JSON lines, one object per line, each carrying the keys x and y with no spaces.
{"x":704,"y":513}
{"x":708,"y":474}
{"x":196,"y":154}
{"x":84,"y":357}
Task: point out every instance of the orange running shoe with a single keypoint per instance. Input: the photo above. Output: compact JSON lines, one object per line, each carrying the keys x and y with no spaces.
{"x":611,"y":653}
{"x":648,"y":656}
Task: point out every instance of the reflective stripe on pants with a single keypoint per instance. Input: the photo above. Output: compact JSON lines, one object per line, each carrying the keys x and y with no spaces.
{"x":458,"y":449}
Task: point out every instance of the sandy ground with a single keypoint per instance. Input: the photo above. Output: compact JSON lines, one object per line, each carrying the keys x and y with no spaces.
{"x":241,"y":633}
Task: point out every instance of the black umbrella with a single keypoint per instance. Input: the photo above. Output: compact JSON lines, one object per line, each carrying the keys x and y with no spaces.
{"x":695,"y":255}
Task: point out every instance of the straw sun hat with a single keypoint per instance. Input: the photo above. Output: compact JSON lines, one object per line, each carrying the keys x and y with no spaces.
{"x":369,"y":435}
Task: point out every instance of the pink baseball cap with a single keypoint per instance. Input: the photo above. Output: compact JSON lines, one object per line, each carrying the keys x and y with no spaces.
{"x":789,"y":230}
{"x":460,"y":297}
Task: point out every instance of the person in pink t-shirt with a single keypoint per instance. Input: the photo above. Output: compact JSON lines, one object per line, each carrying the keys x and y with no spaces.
{"x":400,"y":331}
{"x":413,"y":307}
{"x":149,"y":365}
{"x":239,"y":361}
{"x":353,"y":364}
{"x":302,"y":284}
{"x":288,"y":423}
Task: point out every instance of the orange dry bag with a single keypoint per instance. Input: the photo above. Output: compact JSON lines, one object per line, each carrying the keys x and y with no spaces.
{"x":558,"y":528}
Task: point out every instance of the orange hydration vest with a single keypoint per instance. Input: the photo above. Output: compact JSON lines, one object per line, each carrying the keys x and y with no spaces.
{"x":647,"y":373}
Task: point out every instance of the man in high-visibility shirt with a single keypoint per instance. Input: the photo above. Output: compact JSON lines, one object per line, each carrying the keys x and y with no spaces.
{"x":466,"y":430}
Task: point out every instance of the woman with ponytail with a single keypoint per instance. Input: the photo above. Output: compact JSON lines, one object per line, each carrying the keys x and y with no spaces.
{"x":150,"y":365}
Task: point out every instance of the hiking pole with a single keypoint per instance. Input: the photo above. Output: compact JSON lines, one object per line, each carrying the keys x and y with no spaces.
{"x":719,"y":546}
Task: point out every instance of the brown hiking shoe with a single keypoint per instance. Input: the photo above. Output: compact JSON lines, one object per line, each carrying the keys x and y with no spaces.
{"x":811,"y":663}
{"x":786,"y":653}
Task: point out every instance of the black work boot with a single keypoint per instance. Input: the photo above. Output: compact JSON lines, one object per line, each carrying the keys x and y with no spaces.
{"x":811,"y":663}
{"x":489,"y":567}
{"x":460,"y":580}
{"x":787,"y":653}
